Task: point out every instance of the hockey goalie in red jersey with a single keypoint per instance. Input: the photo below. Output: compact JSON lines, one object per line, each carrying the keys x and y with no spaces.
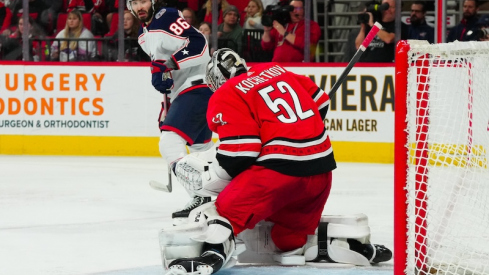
{"x":274,"y":146}
{"x":272,"y":170}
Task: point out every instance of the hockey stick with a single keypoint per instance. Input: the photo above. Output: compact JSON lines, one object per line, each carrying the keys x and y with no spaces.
{"x":370,"y":36}
{"x":155,"y":184}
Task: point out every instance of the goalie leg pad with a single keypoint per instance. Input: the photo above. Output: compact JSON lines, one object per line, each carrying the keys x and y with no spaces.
{"x":215,"y":237}
{"x":339,"y":239}
{"x":260,"y":247}
{"x":330,"y":243}
{"x":329,"y":249}
{"x":345,"y":239}
{"x":176,"y":242}
{"x":259,"y":239}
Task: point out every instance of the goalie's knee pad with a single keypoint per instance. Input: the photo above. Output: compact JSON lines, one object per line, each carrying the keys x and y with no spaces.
{"x":345,"y":239}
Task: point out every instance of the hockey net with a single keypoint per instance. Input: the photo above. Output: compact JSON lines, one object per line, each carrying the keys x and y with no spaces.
{"x":441,"y":167}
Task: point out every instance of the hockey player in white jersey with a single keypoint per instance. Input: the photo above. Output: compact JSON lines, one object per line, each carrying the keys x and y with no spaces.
{"x":179,"y":55}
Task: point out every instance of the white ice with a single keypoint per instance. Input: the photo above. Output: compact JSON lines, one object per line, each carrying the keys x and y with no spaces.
{"x":97,"y":215}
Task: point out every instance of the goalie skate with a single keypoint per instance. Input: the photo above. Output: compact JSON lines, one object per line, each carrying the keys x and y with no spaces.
{"x":346,"y":240}
{"x":181,"y":216}
{"x":209,"y":262}
{"x":375,"y":253}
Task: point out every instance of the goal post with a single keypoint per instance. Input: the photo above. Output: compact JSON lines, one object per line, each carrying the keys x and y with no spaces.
{"x":440,"y":166}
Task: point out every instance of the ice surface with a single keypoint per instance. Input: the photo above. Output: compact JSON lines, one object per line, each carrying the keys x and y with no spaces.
{"x":97,"y":215}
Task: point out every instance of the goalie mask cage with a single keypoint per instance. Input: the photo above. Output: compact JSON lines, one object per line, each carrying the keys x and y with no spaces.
{"x":441,"y":168}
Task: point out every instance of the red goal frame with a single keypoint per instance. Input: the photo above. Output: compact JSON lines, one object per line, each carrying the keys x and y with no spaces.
{"x":421,"y":157}
{"x":400,"y":155}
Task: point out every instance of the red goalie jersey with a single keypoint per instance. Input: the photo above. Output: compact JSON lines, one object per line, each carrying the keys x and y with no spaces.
{"x":261,"y":117}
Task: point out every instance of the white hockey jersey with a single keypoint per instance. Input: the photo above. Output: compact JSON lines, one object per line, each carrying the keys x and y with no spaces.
{"x":170,"y":36}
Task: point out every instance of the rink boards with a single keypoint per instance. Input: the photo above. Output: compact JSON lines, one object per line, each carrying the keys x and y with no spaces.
{"x":109,"y":109}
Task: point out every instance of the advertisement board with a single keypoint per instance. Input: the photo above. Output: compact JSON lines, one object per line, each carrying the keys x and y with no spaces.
{"x":112,"y":109}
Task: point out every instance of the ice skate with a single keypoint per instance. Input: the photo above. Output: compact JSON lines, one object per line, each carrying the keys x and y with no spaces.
{"x":375,"y":253}
{"x":209,"y":262}
{"x":181,"y":216}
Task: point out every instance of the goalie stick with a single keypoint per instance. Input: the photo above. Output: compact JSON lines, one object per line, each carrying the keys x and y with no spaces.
{"x":370,"y":36}
{"x":155,"y":184}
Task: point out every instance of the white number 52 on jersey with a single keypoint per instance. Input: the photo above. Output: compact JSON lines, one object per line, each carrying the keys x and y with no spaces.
{"x":274,"y":104}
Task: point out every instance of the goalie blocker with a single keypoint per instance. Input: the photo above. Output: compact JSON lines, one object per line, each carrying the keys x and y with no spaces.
{"x":206,"y":244}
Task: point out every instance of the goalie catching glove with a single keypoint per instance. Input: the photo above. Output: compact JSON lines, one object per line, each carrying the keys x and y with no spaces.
{"x":201,"y":174}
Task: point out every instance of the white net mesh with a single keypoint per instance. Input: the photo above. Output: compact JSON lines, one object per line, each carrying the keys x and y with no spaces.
{"x":448,"y":176}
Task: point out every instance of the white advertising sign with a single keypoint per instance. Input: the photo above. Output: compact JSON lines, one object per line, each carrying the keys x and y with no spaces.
{"x":120,"y":101}
{"x":363,"y":107}
{"x":78,"y":100}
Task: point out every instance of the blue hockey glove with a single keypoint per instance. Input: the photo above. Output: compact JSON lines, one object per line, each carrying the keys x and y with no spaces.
{"x":161,"y":79}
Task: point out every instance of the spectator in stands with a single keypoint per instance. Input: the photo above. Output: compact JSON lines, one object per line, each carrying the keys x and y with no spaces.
{"x":254,"y":11}
{"x":190,"y":17}
{"x":12,"y":46}
{"x":66,"y":50}
{"x":483,"y":24}
{"x":205,"y":14}
{"x":230,"y":33}
{"x":99,"y":13}
{"x":48,"y":16}
{"x":81,"y":5}
{"x":288,"y":41}
{"x":98,"y":10}
{"x":5,"y":17}
{"x":206,"y":29}
{"x":465,"y":30}
{"x":419,"y":29}
{"x":112,"y":7}
{"x":132,"y":51}
{"x":382,"y":47}
{"x":44,"y":12}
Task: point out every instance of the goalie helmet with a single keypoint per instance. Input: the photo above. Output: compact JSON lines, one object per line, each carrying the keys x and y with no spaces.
{"x":224,"y":64}
{"x":129,"y":6}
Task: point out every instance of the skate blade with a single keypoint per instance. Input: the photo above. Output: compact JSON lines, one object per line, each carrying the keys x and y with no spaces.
{"x":180,"y":270}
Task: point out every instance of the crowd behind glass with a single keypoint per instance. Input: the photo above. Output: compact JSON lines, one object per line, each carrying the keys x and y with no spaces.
{"x":260,"y":30}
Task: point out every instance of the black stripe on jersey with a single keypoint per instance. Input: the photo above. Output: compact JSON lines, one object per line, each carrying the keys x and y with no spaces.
{"x":301,"y":168}
{"x":316,"y":93}
{"x":239,"y":137}
{"x":234,"y":165}
{"x":320,"y":136}
{"x":324,"y":110}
